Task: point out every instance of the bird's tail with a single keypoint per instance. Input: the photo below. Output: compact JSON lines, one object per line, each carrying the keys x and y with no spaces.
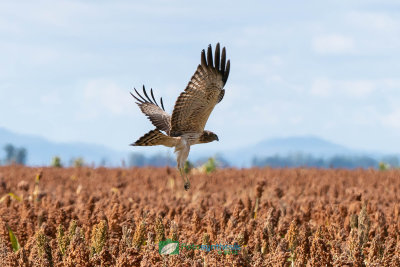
{"x":155,"y":138}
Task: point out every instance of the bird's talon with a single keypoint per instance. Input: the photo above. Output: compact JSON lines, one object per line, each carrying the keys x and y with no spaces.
{"x":187,"y":186}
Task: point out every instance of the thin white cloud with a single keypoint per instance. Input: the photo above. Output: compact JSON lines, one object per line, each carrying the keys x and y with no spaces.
{"x":324,"y":87}
{"x":277,"y":60}
{"x":296,"y":119}
{"x":51,"y":98}
{"x":374,"y":21}
{"x":377,"y":32}
{"x":392,"y":119}
{"x":105,"y":96}
{"x":321,"y":87}
{"x":333,"y":44}
{"x":392,"y":83}
{"x":358,"y":88}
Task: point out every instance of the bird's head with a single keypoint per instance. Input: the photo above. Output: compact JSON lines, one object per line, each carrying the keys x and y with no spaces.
{"x":208,"y":137}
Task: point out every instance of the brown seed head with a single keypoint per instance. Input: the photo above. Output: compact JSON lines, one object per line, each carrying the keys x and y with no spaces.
{"x":99,"y":237}
{"x":206,"y":239}
{"x":260,"y":189}
{"x":43,"y":246}
{"x":160,"y":233}
{"x":140,"y":235}
{"x":292,"y":236}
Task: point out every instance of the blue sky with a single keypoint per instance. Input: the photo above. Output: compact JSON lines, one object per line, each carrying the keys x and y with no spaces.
{"x":323,"y":68}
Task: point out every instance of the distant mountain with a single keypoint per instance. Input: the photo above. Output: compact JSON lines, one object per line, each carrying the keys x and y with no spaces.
{"x":309,"y":145}
{"x":41,"y":151}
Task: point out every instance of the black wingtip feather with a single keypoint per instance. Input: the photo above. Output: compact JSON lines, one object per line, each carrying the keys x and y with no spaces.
{"x":203,"y":58}
{"x":148,"y":100}
{"x":144,"y":100}
{"x":162,"y":104}
{"x":209,"y":57}
{"x":145,"y":93}
{"x":223,"y":60}
{"x":137,"y":99}
{"x":152,"y":95}
{"x":226,"y":74}
{"x":217,"y":57}
{"x":217,"y":63}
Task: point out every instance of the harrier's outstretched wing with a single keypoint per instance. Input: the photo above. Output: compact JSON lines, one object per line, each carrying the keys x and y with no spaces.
{"x":156,"y":114}
{"x":204,"y":91}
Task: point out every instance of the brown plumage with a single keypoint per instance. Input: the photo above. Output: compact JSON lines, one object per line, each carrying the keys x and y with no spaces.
{"x":192,"y":108}
{"x":155,"y":138}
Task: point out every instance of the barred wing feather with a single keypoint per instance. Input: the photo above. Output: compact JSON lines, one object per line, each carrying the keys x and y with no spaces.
{"x":205,"y":89}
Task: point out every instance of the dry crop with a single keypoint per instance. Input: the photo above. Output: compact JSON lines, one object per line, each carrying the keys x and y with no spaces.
{"x":278,"y":217}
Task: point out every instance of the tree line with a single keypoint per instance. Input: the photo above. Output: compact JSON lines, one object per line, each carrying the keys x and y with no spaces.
{"x":18,"y":155}
{"x":14,"y":155}
{"x":303,"y":160}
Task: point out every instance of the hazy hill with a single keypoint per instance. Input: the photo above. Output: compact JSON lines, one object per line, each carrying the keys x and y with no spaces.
{"x":307,"y":144}
{"x":285,"y":146}
{"x":41,"y":150}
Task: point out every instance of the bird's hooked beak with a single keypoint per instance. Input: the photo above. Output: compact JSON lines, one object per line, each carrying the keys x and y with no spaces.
{"x":217,"y":138}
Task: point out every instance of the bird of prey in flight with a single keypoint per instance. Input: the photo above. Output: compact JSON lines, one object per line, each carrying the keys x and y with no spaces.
{"x":185,"y":127}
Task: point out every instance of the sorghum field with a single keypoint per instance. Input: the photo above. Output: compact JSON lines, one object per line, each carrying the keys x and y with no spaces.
{"x":278,"y":217}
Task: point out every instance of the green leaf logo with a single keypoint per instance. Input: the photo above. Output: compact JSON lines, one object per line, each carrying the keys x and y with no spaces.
{"x":168,"y":247}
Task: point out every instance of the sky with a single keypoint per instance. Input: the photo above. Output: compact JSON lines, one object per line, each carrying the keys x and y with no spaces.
{"x":323,"y":68}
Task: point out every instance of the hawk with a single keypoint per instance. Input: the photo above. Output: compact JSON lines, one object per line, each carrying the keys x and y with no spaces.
{"x":185,"y":127}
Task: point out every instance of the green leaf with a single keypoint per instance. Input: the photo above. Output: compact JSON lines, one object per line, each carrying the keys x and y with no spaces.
{"x":210,"y":165}
{"x":14,"y":196}
{"x":14,"y":241}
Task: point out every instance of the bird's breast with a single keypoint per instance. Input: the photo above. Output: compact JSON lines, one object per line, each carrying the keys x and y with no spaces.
{"x":191,"y":138}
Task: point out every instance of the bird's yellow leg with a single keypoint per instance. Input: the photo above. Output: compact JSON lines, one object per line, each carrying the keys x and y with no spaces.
{"x":181,"y":172}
